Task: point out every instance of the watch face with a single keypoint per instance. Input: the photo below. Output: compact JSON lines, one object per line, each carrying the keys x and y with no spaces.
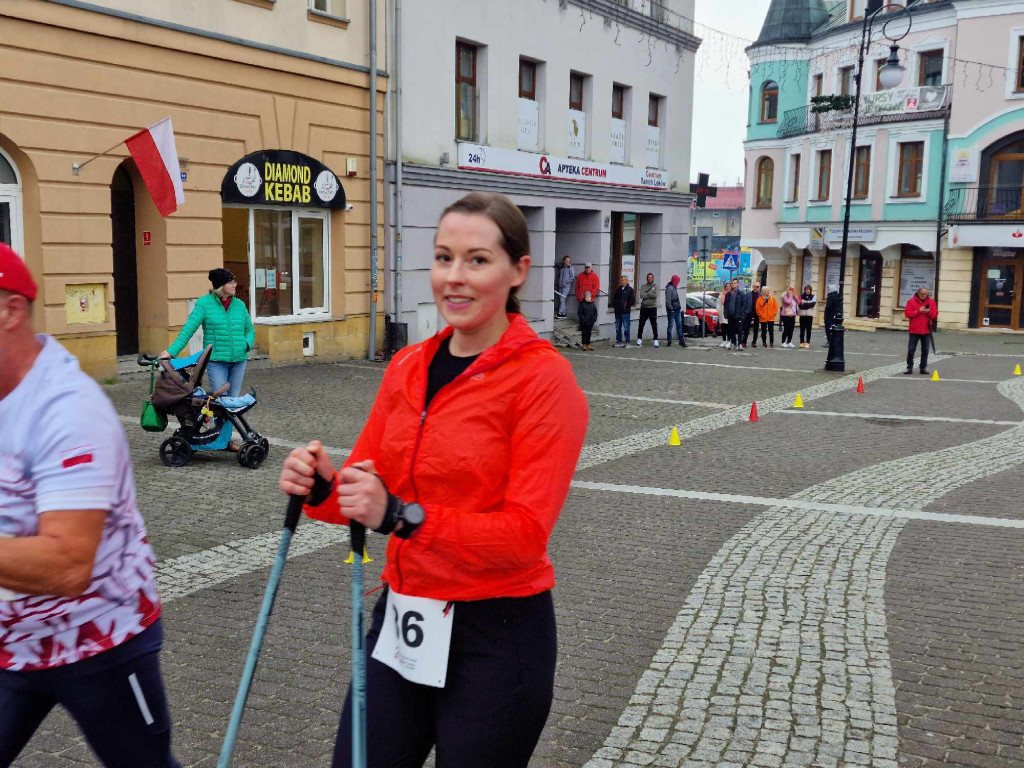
{"x":413,"y":514}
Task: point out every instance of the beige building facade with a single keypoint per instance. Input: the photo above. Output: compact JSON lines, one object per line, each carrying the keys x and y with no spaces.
{"x":273,"y":82}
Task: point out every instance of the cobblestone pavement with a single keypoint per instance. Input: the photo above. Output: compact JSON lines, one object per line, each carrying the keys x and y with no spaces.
{"x":791,"y":592}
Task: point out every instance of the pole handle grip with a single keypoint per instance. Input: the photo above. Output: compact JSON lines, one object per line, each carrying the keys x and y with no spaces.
{"x":291,"y":517}
{"x":357,"y":531}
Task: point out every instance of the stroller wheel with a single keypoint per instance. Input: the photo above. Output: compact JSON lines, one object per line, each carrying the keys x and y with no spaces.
{"x":175,"y":451}
{"x":252,"y":455}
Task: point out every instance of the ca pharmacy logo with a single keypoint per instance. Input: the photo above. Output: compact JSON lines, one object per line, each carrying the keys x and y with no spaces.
{"x":247,"y":179}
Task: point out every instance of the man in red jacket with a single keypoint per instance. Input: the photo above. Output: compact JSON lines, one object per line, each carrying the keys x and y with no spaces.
{"x":921,"y":311}
{"x":587,"y":281}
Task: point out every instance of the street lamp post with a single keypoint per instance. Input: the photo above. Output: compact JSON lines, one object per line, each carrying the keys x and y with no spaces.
{"x":890,"y":75}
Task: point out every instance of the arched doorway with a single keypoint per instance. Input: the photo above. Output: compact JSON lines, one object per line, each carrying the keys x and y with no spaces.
{"x":10,"y":204}
{"x":126,"y":281}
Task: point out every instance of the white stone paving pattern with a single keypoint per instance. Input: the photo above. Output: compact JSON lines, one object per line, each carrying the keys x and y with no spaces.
{"x":779,"y":656}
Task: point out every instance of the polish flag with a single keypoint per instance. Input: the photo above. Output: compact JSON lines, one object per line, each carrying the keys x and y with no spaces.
{"x":154,"y":153}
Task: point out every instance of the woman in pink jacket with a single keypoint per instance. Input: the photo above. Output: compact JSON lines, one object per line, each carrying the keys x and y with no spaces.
{"x":790,"y":306}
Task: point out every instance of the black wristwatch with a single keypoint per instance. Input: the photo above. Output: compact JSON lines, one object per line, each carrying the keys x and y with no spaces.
{"x":411,"y":516}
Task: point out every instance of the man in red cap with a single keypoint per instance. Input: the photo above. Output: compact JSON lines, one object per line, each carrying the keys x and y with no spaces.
{"x":79,"y":611}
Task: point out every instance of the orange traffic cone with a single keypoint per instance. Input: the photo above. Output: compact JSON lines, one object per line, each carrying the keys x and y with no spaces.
{"x":860,"y":384}
{"x":753,"y":412}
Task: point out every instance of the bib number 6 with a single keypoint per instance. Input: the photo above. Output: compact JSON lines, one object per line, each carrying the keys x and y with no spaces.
{"x":408,"y":625}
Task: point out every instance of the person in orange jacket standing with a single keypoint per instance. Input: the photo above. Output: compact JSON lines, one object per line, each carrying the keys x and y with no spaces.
{"x":586,"y":281}
{"x":921,"y":311}
{"x":766,"y":308}
{"x":481,"y":426}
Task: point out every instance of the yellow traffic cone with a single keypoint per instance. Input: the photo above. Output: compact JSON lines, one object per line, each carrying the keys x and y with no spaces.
{"x":799,"y":401}
{"x":1016,"y":370}
{"x":674,"y":437}
{"x":935,"y":375}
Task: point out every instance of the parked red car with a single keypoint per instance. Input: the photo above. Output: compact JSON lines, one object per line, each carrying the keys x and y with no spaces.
{"x":696,"y":308}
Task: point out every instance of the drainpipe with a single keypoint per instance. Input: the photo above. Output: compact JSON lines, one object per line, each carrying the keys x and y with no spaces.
{"x":942,"y":193}
{"x":399,"y":192}
{"x":372,"y":351}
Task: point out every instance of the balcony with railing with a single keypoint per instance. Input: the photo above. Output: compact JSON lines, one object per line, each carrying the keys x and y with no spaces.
{"x":896,"y":105}
{"x":984,"y":203}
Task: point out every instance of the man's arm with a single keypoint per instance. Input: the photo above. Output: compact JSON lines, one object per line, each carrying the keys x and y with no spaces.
{"x":59,"y":560}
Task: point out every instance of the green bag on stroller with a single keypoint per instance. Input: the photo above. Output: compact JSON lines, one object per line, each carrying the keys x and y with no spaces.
{"x":152,"y":420}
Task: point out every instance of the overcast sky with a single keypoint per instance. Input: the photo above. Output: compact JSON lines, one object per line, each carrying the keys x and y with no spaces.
{"x":720,"y":88}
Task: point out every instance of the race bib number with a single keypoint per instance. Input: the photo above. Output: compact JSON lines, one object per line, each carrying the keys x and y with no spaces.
{"x":415,"y":638}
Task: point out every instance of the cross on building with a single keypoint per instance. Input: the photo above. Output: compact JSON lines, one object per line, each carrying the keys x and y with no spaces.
{"x":703,"y":190}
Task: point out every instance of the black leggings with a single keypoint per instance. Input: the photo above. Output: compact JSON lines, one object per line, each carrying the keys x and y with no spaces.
{"x":490,"y":714}
{"x":805,"y":329}
{"x":648,"y":313}
{"x":767,"y":330}
{"x":585,"y":330}
{"x":788,"y":324}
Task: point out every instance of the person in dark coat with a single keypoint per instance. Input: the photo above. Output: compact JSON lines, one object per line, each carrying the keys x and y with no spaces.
{"x":831,"y":312}
{"x":737,"y":308}
{"x":674,"y":308}
{"x":622,"y":303}
{"x":587,"y":314}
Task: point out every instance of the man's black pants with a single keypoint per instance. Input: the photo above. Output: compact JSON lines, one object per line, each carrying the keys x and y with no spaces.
{"x":924,"y":339}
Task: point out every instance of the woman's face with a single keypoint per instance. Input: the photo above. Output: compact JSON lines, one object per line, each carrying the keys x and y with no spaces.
{"x":230,"y":288}
{"x":650,"y":277}
{"x":472,"y":273}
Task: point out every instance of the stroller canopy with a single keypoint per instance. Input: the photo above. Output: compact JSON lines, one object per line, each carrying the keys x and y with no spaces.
{"x":175,"y":383}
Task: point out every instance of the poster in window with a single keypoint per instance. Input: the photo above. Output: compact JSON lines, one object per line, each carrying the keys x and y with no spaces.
{"x":808,"y":267}
{"x":831,"y":271}
{"x":618,"y":140}
{"x":653,"y":146}
{"x":915,"y":274}
{"x":529,"y":124}
{"x":577,"y":133}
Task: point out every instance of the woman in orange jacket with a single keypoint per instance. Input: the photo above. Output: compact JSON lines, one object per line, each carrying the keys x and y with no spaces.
{"x":767,"y":308}
{"x":481,"y":426}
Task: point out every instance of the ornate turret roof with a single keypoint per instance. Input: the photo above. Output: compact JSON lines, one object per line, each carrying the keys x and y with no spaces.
{"x":792,"y":21}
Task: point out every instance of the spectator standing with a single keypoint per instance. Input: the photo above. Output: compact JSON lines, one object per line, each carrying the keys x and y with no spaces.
{"x":737,"y":307}
{"x":80,"y":619}
{"x":566,"y":277}
{"x":790,"y":307}
{"x":622,"y":304}
{"x":922,"y":311}
{"x":767,"y":308}
{"x":587,"y":314}
{"x":674,"y":309}
{"x":751,"y":320}
{"x":831,"y":311}
{"x":723,"y":314}
{"x":648,"y":310}
{"x":807,"y":303}
{"x":588,"y":280}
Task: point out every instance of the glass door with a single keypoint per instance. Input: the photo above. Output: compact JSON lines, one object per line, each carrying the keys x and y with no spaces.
{"x":869,"y":288}
{"x":5,"y":223}
{"x":1000,"y":297}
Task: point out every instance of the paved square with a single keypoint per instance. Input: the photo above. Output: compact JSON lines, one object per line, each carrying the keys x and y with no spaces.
{"x":833,"y":586}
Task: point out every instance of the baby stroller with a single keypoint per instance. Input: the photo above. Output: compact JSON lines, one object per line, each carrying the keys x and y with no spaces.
{"x":205,"y":419}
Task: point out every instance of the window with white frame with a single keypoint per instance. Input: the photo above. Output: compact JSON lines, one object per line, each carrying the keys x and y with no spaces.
{"x":324,"y":6}
{"x":289,"y":262}
{"x":10,"y":204}
{"x":823,"y":175}
{"x":793,"y":182}
{"x":908,"y":169}
{"x":466,"y":92}
{"x":529,"y":106}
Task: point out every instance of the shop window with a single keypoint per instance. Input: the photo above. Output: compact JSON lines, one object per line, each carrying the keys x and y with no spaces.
{"x":929,"y":65}
{"x":618,"y":96}
{"x":466,"y":95}
{"x":625,"y":245}
{"x":288,"y":263}
{"x":861,"y":173}
{"x":769,"y":102}
{"x":576,"y":91}
{"x":765,"y":178}
{"x":527,"y":80}
{"x":910,"y":169}
{"x":10,"y":204}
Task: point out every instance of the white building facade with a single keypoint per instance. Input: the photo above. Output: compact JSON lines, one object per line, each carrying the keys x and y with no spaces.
{"x":579,"y":110}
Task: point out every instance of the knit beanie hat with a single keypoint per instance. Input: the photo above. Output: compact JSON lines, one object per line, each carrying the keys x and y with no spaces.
{"x":220,"y":277}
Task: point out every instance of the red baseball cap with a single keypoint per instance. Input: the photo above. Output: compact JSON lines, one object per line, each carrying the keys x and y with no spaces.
{"x":14,"y":275}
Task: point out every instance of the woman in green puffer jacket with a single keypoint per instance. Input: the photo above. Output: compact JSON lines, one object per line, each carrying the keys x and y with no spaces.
{"x":227,"y":326}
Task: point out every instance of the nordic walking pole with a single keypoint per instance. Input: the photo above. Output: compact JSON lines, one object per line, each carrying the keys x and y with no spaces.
{"x":291,"y":520}
{"x":357,"y":533}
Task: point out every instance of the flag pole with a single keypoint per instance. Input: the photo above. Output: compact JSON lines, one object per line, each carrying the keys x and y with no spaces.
{"x":75,"y":167}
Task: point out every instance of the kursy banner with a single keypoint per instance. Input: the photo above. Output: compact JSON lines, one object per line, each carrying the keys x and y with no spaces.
{"x":280,"y":177}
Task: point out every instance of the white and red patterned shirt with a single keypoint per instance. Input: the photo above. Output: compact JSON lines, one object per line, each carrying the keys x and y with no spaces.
{"x":62,"y":447}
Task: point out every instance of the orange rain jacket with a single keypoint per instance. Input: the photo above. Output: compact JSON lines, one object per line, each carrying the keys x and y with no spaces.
{"x":490,"y":461}
{"x":766,"y":307}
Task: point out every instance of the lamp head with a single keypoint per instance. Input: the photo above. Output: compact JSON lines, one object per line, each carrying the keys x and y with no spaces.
{"x":891,"y":73}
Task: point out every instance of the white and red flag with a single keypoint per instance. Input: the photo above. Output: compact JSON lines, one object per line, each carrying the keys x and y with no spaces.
{"x":157,"y":159}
